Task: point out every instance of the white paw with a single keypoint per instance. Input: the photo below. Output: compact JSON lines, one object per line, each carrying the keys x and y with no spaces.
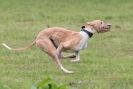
{"x":67,"y":71}
{"x":74,"y":60}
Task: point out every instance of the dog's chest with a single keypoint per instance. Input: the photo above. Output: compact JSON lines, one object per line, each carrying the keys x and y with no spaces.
{"x":83,"y":42}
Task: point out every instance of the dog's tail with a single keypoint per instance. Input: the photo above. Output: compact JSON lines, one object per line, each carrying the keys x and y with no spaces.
{"x":19,"y":49}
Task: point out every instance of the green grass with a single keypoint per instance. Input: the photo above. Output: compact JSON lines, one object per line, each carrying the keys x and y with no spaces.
{"x":107,"y":63}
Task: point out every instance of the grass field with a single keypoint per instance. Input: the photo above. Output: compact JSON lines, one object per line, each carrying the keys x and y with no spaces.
{"x":107,"y":63}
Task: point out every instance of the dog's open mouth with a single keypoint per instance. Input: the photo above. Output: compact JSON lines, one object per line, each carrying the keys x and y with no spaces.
{"x":107,"y":27}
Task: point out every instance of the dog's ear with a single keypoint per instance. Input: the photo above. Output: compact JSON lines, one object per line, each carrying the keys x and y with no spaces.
{"x":83,"y":27}
{"x":48,"y":26}
{"x":90,"y":23}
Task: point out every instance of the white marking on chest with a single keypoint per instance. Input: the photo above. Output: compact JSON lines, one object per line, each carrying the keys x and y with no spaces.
{"x":83,"y":42}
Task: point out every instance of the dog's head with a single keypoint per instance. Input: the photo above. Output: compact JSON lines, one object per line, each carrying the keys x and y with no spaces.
{"x":98,"y":25}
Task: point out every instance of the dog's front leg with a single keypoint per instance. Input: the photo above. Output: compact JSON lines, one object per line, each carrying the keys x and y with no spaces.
{"x":77,"y":57}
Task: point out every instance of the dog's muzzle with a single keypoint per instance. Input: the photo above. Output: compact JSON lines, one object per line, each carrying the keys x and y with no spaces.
{"x":109,"y":26}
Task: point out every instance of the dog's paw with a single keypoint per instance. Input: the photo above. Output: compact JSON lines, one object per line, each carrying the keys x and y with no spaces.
{"x":72,"y":56}
{"x":66,"y":71}
{"x":70,"y":72}
{"x":75,"y":60}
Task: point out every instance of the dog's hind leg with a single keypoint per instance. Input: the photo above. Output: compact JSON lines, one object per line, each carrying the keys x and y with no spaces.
{"x":47,"y":46}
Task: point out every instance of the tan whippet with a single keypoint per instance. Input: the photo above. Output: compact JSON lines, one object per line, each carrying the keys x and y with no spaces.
{"x":55,"y":40}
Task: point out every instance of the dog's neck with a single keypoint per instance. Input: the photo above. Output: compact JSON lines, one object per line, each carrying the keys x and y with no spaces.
{"x":85,"y":33}
{"x":91,"y":30}
{"x":88,"y":31}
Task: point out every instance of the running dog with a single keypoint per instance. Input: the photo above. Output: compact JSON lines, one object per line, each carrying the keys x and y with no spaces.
{"x":56,"y":40}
